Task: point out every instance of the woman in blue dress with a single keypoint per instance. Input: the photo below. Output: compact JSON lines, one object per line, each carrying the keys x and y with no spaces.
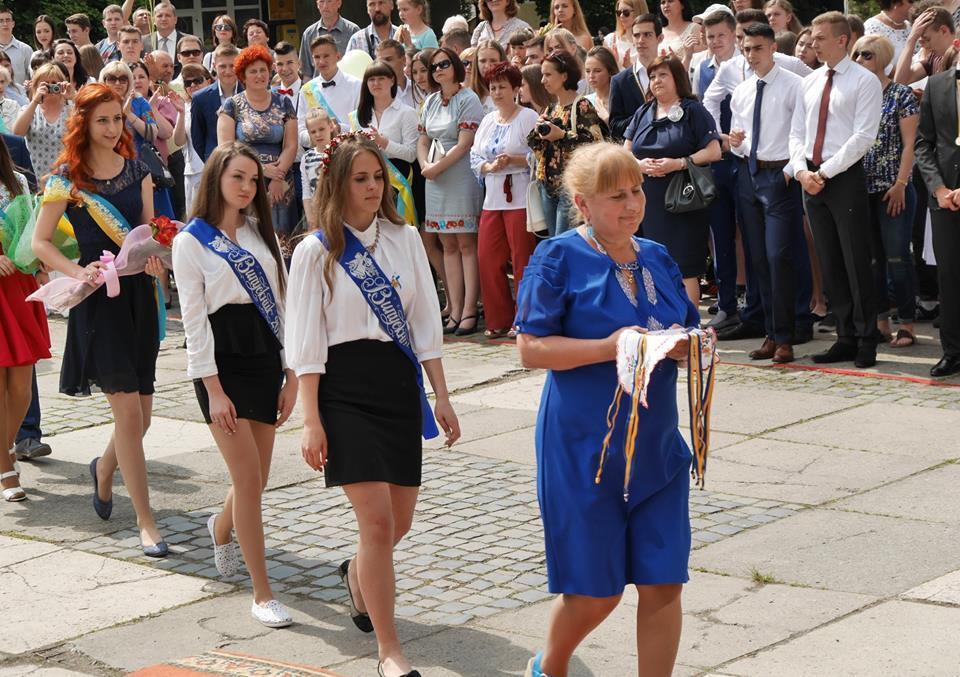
{"x":112,"y":343}
{"x":579,"y":292}
{"x":265,"y":120}
{"x":665,"y":132}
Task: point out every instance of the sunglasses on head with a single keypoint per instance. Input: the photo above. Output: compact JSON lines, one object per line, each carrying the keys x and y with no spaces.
{"x":190,"y":52}
{"x":867,"y":56}
{"x":192,"y":82}
{"x":624,"y":12}
{"x":115,"y":79}
{"x":440,"y":65}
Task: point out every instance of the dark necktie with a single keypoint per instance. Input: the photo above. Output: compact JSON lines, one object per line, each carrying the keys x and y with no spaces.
{"x":822,"y":120}
{"x":330,"y":83}
{"x":755,"y":134}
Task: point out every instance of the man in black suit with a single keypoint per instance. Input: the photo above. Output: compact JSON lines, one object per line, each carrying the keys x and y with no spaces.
{"x":938,"y":158}
{"x":630,"y":87}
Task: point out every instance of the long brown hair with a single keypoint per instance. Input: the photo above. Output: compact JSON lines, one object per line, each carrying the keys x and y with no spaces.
{"x":209,"y":202}
{"x":331,"y":195}
{"x":76,"y":142}
{"x":7,"y":176}
{"x":478,"y":83}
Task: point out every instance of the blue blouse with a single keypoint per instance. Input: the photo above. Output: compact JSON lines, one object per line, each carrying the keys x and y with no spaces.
{"x":663,"y":138}
{"x":882,"y":162}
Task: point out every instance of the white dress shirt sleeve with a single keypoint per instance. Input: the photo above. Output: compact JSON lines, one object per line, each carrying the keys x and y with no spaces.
{"x":302,"y":109}
{"x":201,"y":360}
{"x":738,"y":119}
{"x":426,"y":327}
{"x":724,"y":82}
{"x":306,"y":335}
{"x":866,"y":124}
{"x":792,"y":64}
{"x":406,"y":148}
{"x":798,"y":134}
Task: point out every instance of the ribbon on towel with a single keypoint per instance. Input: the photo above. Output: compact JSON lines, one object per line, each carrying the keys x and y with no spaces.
{"x":110,"y":275}
{"x":638,"y":354}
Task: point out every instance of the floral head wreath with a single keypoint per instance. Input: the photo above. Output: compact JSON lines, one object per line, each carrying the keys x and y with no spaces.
{"x":327,"y":156}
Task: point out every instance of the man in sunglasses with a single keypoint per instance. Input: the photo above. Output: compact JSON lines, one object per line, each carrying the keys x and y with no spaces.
{"x":189,"y":50}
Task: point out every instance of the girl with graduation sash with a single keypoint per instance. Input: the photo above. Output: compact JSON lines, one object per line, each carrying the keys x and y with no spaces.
{"x":362,"y":327}
{"x":100,"y":191}
{"x":230,"y":275}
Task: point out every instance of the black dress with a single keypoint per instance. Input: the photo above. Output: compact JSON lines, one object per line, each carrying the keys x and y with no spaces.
{"x":112,"y":343}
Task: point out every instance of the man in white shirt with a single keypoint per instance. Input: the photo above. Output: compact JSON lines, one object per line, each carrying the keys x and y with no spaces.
{"x":131,"y":45}
{"x":330,"y":23}
{"x":165,"y":19}
{"x":770,"y":208}
{"x":20,"y":53}
{"x":394,"y":55}
{"x":719,"y":28}
{"x":835,"y":122}
{"x":380,"y":28}
{"x":287,"y":65}
{"x":629,"y":88}
{"x":332,"y":89}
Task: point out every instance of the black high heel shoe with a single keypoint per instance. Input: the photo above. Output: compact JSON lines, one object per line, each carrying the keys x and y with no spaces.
{"x":448,"y":329}
{"x":360,"y":618}
{"x":460,"y":331}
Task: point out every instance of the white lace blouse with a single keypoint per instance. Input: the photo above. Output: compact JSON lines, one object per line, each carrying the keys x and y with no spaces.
{"x":319,"y":316}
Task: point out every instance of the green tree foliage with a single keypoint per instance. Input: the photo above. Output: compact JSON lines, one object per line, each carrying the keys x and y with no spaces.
{"x":25,"y":11}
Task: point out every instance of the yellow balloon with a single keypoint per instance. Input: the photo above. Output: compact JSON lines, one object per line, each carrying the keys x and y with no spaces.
{"x":355,"y":62}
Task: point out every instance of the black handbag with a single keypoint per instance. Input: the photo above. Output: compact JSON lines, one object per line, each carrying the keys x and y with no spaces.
{"x":690,"y":189}
{"x":150,"y":156}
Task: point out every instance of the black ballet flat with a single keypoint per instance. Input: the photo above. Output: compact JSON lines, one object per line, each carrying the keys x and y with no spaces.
{"x":360,"y":618}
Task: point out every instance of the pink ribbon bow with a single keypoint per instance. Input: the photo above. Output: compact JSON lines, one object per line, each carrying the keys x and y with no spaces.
{"x":110,"y":276}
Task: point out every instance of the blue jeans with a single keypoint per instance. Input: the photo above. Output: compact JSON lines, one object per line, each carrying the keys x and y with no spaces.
{"x":892,"y":259}
{"x":556,"y":210}
{"x":30,"y":428}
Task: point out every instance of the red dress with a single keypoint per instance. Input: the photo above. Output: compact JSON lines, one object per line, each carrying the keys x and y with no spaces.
{"x":24,"y":335}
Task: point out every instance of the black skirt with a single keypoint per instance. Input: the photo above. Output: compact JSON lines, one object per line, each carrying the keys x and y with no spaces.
{"x":248,"y":363}
{"x":370,"y":406}
{"x":112,"y":343}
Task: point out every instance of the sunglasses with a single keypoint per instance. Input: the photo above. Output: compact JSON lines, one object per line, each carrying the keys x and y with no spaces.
{"x":192,"y":82}
{"x":190,"y":52}
{"x":867,"y":56}
{"x":440,"y":65}
{"x":624,"y":12}
{"x":115,"y":79}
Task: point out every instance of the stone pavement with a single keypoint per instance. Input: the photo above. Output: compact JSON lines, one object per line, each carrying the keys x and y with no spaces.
{"x":825,"y":543}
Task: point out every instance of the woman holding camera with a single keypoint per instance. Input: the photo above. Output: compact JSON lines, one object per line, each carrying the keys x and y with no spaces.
{"x":558,"y":132}
{"x":43,"y":121}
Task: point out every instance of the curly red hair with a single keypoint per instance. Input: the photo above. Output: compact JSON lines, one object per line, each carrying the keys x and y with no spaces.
{"x":76,"y":141}
{"x":249,"y":56}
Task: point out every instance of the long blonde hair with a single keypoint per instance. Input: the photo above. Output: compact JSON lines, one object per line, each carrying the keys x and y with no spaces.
{"x":208,"y":204}
{"x":577,"y":22}
{"x":331,"y":195}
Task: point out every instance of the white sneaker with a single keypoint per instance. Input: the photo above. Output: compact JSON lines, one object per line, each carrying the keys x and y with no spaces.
{"x":224,"y":556}
{"x":272,"y":614}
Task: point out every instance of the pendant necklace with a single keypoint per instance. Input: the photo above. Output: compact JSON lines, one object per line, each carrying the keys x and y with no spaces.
{"x":376,"y":240}
{"x":626,"y":272}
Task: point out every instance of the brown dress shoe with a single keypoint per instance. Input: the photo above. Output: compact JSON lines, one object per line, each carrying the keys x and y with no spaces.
{"x":765,"y":352}
{"x":783,"y":354}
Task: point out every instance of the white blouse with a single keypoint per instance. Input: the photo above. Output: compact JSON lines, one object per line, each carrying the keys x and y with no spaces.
{"x":206,"y":283}
{"x":399,"y":124}
{"x":319,"y":316}
{"x":493,"y":139}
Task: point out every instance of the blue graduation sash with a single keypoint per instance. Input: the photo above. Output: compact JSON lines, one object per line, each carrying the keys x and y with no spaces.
{"x":385,"y":303}
{"x":244,"y":265}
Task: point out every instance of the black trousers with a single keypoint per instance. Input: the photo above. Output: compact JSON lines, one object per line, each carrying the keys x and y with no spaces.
{"x":946,"y":247}
{"x":772,"y":220}
{"x":839,"y":219}
{"x":176,"y":164}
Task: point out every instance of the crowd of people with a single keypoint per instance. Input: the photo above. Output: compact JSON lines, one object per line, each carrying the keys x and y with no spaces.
{"x":808,"y":174}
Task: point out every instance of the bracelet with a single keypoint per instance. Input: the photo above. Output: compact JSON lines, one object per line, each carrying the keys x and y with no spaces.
{"x":903,"y":182}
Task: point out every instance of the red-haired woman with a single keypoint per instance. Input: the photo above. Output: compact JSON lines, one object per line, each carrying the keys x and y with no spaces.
{"x":112,"y":343}
{"x":265,"y":120}
{"x":24,"y":339}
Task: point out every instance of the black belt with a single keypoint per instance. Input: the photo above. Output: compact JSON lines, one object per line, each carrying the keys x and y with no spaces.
{"x":767,"y":164}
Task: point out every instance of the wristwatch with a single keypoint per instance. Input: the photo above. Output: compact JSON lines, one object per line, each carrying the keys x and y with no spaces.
{"x":821,"y":175}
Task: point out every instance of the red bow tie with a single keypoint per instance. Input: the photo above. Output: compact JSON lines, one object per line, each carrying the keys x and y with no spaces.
{"x":287,"y":92}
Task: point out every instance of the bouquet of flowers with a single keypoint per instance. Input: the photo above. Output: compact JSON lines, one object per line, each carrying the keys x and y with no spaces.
{"x":141,"y":243}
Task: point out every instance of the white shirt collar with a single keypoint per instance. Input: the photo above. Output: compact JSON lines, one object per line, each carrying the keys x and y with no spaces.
{"x":771,"y":74}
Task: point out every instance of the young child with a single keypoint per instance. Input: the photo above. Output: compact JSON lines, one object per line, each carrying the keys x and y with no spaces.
{"x":320,"y":129}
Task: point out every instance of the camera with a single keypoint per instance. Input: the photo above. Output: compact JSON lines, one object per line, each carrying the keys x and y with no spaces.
{"x":53,"y":88}
{"x":543,"y":128}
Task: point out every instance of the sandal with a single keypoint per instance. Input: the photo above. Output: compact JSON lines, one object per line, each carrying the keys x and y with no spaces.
{"x":12,"y":494}
{"x":903,"y":335}
{"x":450,"y":329}
{"x":495,"y":333}
{"x":459,"y":331}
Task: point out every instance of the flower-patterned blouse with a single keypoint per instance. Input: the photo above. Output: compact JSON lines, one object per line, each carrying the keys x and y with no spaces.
{"x":263,"y":130}
{"x":882,"y":161}
{"x":551,"y":156}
